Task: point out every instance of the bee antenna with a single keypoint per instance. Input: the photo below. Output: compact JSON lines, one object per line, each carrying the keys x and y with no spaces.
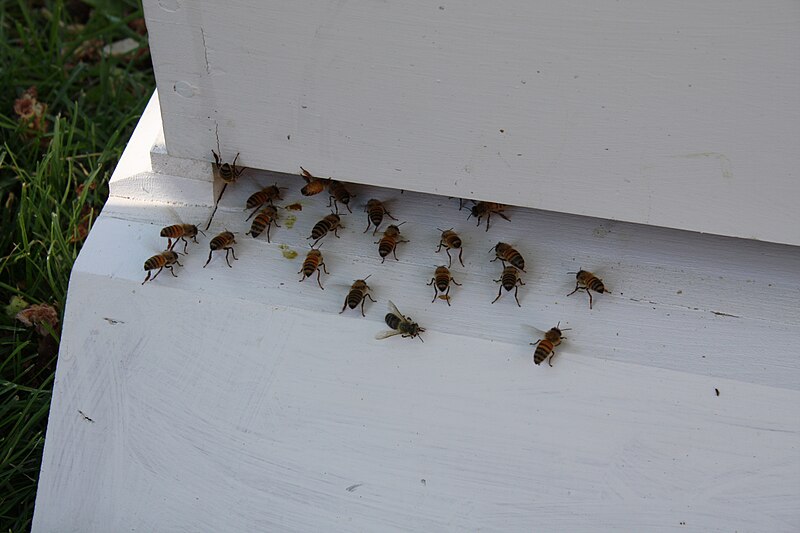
{"x":365,"y":279}
{"x":566,"y":329}
{"x":201,"y":231}
{"x":559,"y":323}
{"x":400,"y":224}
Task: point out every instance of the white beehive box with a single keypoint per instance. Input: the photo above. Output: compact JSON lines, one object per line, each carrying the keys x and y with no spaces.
{"x":239,"y":399}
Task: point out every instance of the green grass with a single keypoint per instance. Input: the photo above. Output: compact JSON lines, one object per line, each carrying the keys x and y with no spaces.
{"x":53,"y":181}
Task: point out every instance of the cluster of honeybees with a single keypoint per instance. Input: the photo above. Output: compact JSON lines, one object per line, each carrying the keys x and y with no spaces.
{"x":265,"y":215}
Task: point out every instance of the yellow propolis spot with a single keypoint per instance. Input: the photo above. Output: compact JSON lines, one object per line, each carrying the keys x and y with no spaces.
{"x":287,"y":252}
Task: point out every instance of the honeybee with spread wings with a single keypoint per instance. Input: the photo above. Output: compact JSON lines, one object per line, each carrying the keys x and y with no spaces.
{"x":400,"y":324}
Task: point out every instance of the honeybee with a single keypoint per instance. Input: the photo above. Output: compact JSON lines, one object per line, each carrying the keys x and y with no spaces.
{"x":441,"y":283}
{"x":313,"y":184}
{"x":227,"y":172}
{"x":509,"y":280}
{"x":339,"y":193}
{"x":223,"y":241}
{"x":485,"y":209}
{"x":165,"y":259}
{"x":331,"y":222}
{"x":375,"y":211}
{"x":180,"y":232}
{"x":359,"y":292}
{"x":264,"y":196}
{"x":586,"y":281}
{"x":265,"y":219}
{"x":388,"y":243}
{"x":504,"y":252}
{"x":545,"y":347}
{"x":450,"y":239}
{"x":400,"y":324}
{"x":311,"y":264}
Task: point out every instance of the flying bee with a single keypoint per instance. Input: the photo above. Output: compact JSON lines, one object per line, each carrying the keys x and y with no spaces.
{"x":388,"y":243}
{"x":339,"y":193}
{"x":359,"y":292}
{"x":509,"y":280}
{"x":311,"y":264}
{"x":265,"y":219}
{"x":165,"y":259}
{"x":223,"y":241}
{"x":265,"y":196}
{"x":545,"y":347}
{"x":450,"y":239}
{"x":586,"y":281}
{"x":227,"y":172}
{"x":485,"y":209}
{"x":180,"y":232}
{"x":504,"y":252}
{"x":441,"y":283}
{"x":400,"y":324}
{"x":375,"y":211}
{"x":313,"y":184}
{"x":331,"y":222}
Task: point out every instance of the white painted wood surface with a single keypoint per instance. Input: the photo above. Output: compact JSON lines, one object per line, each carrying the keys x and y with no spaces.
{"x":677,"y":114}
{"x":239,"y":399}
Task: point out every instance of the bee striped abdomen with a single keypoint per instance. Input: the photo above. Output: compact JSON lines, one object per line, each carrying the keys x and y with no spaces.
{"x":392,"y":320}
{"x":257,"y":199}
{"x":310,"y":265}
{"x":543,"y":351}
{"x":386,"y":246}
{"x":173,"y":232}
{"x":321,"y":228}
{"x":596,"y":285}
{"x":509,"y":279}
{"x":157,"y":261}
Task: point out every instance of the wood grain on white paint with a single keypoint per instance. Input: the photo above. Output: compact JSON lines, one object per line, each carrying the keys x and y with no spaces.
{"x":239,"y":399}
{"x":678,"y":114}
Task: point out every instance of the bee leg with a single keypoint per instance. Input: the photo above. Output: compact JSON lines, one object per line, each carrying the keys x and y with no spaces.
{"x":394,"y":253}
{"x":383,"y":259}
{"x":375,"y":230}
{"x":216,"y":157}
{"x":169,"y":243}
{"x":369,"y":223}
{"x":268,"y":228}
{"x":488,"y":217}
{"x":550,"y":360}
{"x":230,"y":250}
{"x":502,"y":215}
{"x":577,"y":288}
{"x":159,"y":272}
{"x":336,"y":231}
{"x":447,"y":296}
{"x":347,"y":205}
{"x":253,"y":213}
{"x":318,"y":281}
{"x":460,"y":251}
{"x":590,"y":298}
{"x":148,"y":277}
{"x":371,"y":298}
{"x":177,"y":263}
{"x":435,"y":290}
{"x":516,"y":290}
{"x":496,"y":258}
{"x":499,"y":292}
{"x":209,"y":258}
{"x":185,"y":244}
{"x":345,"y":304}
{"x":454,"y":281}
{"x":385,"y":212}
{"x":324,"y":268}
{"x":364,"y":299}
{"x":171,"y":270}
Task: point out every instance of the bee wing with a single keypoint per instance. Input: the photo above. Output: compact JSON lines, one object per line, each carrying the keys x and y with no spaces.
{"x":173,"y":214}
{"x":386,"y":334}
{"x":395,"y":311}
